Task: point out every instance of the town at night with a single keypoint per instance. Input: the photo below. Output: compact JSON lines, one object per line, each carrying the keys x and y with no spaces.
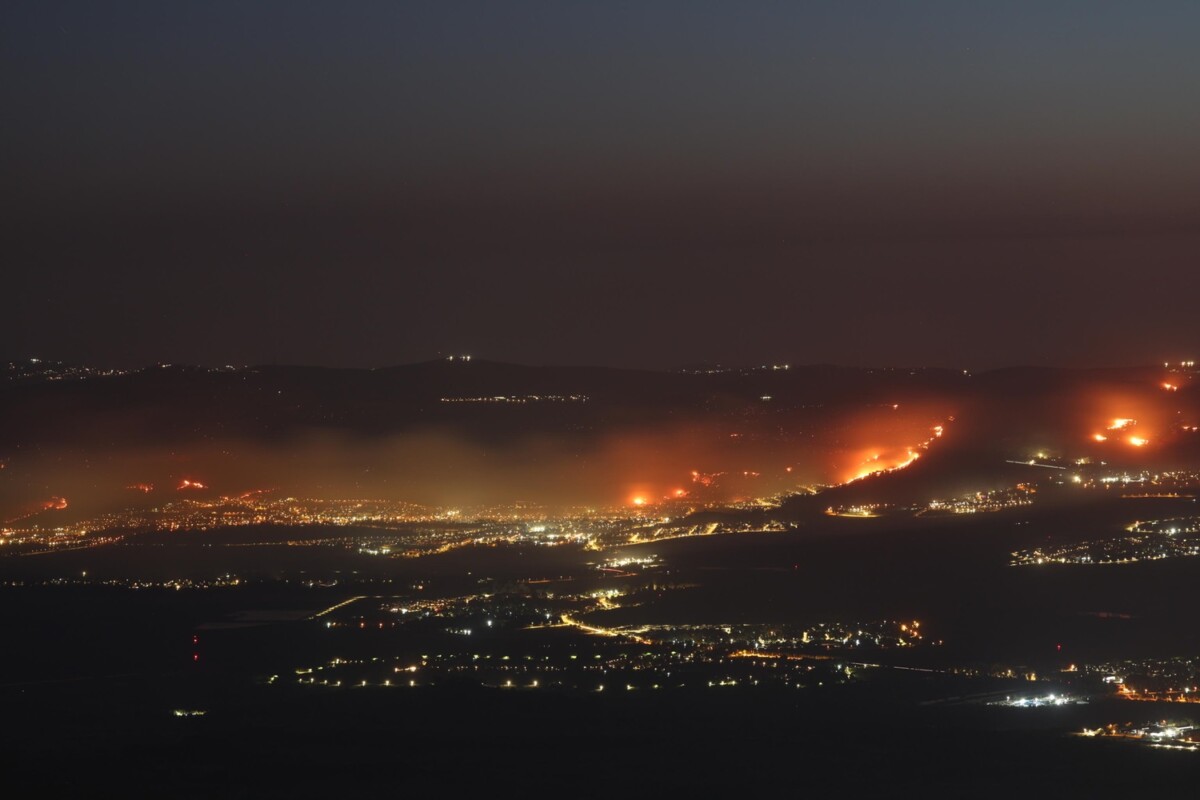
{"x":593,"y":400}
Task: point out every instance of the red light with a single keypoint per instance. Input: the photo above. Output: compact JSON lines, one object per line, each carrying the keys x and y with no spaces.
{"x":195,"y":656}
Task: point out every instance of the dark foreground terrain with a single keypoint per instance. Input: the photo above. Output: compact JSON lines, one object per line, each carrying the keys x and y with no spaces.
{"x":118,"y":738}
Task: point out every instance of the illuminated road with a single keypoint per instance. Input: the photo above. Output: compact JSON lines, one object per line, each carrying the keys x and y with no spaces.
{"x":342,"y":604}
{"x":596,"y":630}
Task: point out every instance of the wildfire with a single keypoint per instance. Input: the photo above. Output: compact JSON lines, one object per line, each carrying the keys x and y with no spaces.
{"x":53,"y":504}
{"x":872,"y":465}
{"x":879,"y":463}
{"x":190,"y":484}
{"x":144,"y":488}
{"x":1125,"y":426}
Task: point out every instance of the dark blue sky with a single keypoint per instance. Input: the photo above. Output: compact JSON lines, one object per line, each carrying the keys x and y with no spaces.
{"x":642,"y":184}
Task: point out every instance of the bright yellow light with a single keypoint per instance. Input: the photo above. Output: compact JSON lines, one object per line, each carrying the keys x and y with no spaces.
{"x":1121,"y":423}
{"x":1100,"y":437}
{"x":1138,"y":441}
{"x":639,"y":501}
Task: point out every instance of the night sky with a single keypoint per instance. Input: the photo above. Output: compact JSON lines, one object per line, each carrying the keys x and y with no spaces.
{"x":643,"y":184}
